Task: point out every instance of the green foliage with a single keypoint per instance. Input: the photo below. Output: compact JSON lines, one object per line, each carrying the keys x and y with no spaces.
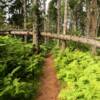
{"x":52,"y":15}
{"x":79,"y":73}
{"x":73,"y":3}
{"x":53,"y":10}
{"x":15,"y":9}
{"x":2,"y":17}
{"x":19,"y":70}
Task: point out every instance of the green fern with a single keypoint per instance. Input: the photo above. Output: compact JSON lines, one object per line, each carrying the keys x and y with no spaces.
{"x":80,"y":74}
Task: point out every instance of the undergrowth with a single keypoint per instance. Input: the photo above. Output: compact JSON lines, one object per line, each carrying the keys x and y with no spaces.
{"x":20,"y":69}
{"x":79,"y":74}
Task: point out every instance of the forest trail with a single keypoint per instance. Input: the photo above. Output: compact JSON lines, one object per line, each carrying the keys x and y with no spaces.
{"x":49,"y":87}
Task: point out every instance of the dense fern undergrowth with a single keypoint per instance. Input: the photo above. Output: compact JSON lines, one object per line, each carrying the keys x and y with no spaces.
{"x":20,"y":69}
{"x":79,"y":74}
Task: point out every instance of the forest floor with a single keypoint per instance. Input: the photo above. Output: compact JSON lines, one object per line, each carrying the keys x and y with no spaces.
{"x":49,"y":88}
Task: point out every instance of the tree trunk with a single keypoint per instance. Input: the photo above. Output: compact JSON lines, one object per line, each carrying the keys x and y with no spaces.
{"x":74,"y":38}
{"x":74,"y":22}
{"x":98,"y":21}
{"x":36,"y":26}
{"x":93,"y":18}
{"x":44,"y":14}
{"x":45,"y":25}
{"x":65,"y":22}
{"x":58,"y":18}
{"x":93,"y":22}
{"x":87,"y":18}
{"x":25,"y":14}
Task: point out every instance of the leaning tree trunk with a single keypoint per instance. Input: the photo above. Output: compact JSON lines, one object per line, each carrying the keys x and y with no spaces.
{"x":78,"y":39}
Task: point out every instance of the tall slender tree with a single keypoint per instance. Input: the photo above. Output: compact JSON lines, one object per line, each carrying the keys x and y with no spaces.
{"x":65,"y":22}
{"x":24,"y":13}
{"x":58,"y":17}
{"x":36,"y":24}
{"x":25,"y":18}
{"x":92,"y":20}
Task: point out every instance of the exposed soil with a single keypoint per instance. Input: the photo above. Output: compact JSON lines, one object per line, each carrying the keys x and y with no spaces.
{"x":49,"y":87}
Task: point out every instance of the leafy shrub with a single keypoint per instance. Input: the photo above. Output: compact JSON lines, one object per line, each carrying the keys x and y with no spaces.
{"x":79,"y":73}
{"x":19,"y":70}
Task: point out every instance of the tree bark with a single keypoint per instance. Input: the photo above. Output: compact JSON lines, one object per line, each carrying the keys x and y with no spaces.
{"x":25,"y":22}
{"x":36,"y":25}
{"x":92,"y":17}
{"x":45,"y":24}
{"x":84,"y":40}
{"x":58,"y":18}
{"x":88,"y":17}
{"x":65,"y":23}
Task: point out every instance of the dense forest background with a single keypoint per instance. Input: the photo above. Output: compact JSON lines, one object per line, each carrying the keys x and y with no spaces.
{"x":80,"y":17}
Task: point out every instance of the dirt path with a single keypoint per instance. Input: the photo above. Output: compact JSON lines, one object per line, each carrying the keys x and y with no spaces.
{"x":49,"y":86}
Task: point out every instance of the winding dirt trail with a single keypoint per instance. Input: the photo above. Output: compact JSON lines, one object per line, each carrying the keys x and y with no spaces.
{"x":49,"y":87}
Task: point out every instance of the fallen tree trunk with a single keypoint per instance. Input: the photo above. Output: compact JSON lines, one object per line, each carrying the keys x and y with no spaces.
{"x":16,"y":32}
{"x":83,"y":40}
{"x":21,"y":32}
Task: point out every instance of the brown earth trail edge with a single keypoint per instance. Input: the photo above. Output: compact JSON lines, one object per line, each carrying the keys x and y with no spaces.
{"x":49,"y":88}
